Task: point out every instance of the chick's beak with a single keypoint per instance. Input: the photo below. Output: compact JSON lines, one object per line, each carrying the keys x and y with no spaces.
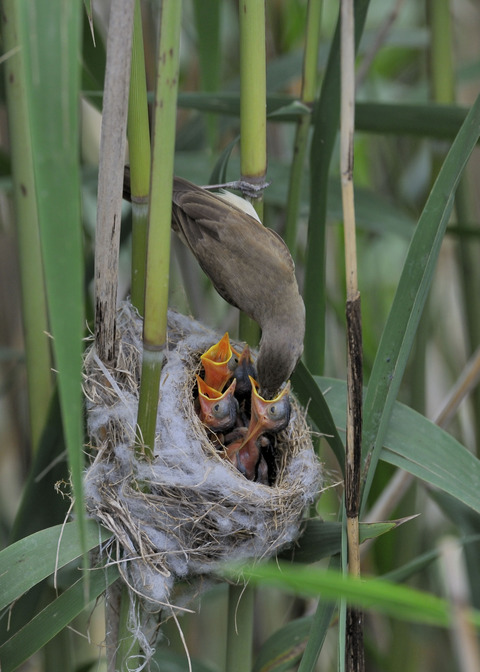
{"x":216,"y":362}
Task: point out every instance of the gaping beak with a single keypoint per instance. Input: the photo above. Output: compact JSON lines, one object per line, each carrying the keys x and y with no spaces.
{"x":216,"y":363}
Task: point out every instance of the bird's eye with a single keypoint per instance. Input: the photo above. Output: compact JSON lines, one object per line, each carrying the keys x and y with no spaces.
{"x":216,"y":408}
{"x":272,"y":410}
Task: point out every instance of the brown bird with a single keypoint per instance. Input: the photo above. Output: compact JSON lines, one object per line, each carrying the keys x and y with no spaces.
{"x":219,"y":363}
{"x":218,"y":411}
{"x":251,"y":268}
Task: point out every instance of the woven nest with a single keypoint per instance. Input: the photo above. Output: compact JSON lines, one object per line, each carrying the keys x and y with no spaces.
{"x":190,"y":509}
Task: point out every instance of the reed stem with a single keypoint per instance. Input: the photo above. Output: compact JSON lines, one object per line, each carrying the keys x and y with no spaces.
{"x":159,"y":218}
{"x":139,"y":150}
{"x":354,"y":652}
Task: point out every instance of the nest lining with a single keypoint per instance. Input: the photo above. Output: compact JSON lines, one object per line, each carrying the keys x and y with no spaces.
{"x":198,"y":510}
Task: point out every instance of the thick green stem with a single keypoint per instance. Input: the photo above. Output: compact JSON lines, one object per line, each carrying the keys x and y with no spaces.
{"x":34,"y":303}
{"x":158,"y":251}
{"x":253,"y":122}
{"x":139,"y":150}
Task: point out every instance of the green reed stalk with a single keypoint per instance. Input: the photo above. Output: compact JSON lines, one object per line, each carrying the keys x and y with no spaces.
{"x":253,"y":121}
{"x":139,"y":151}
{"x":34,"y":302}
{"x":307,"y":97}
{"x":158,"y":247}
{"x":253,"y":166}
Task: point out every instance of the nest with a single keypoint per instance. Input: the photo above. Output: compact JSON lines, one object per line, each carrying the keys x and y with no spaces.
{"x":189,"y":510}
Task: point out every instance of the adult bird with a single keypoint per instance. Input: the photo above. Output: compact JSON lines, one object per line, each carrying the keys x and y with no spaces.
{"x":251,"y":268}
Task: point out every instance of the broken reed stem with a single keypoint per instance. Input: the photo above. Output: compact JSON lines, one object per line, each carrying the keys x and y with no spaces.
{"x":307,"y":97}
{"x":160,"y":213}
{"x":354,"y":652}
{"x":110,"y":175}
{"x":139,"y":153}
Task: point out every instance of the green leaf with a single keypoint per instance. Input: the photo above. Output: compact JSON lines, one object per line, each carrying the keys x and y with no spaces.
{"x":414,"y":443}
{"x":53,"y":91}
{"x":320,"y":625}
{"x":407,"y":307}
{"x":28,"y":561}
{"x":51,"y":620}
{"x":321,"y":539}
{"x":311,"y":397}
{"x":371,"y":594}
{"x":285,"y":647}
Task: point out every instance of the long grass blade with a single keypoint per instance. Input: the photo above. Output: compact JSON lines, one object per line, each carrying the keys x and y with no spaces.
{"x":34,"y":300}
{"x":30,"y":560}
{"x":51,"y":620}
{"x":432,"y":454}
{"x":53,"y":81}
{"x":399,"y":332}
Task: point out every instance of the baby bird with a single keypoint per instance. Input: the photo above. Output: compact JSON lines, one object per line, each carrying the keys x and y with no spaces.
{"x":245,"y":455}
{"x":218,"y":411}
{"x":268,"y":415}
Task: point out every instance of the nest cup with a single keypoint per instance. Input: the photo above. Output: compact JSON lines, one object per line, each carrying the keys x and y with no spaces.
{"x":190,"y":509}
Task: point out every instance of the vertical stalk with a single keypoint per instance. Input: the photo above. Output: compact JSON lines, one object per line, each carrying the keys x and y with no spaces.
{"x":253,"y":166}
{"x":139,"y":150}
{"x":253,"y":121}
{"x":34,"y":302}
{"x":354,"y":632}
{"x":307,"y":96}
{"x":159,"y":217}
{"x":110,"y":175}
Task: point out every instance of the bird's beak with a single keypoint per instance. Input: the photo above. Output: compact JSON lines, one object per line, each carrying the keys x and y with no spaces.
{"x":205,"y":391}
{"x":216,"y":365}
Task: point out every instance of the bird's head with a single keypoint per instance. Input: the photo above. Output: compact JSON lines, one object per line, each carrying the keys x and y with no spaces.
{"x":278,"y":355}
